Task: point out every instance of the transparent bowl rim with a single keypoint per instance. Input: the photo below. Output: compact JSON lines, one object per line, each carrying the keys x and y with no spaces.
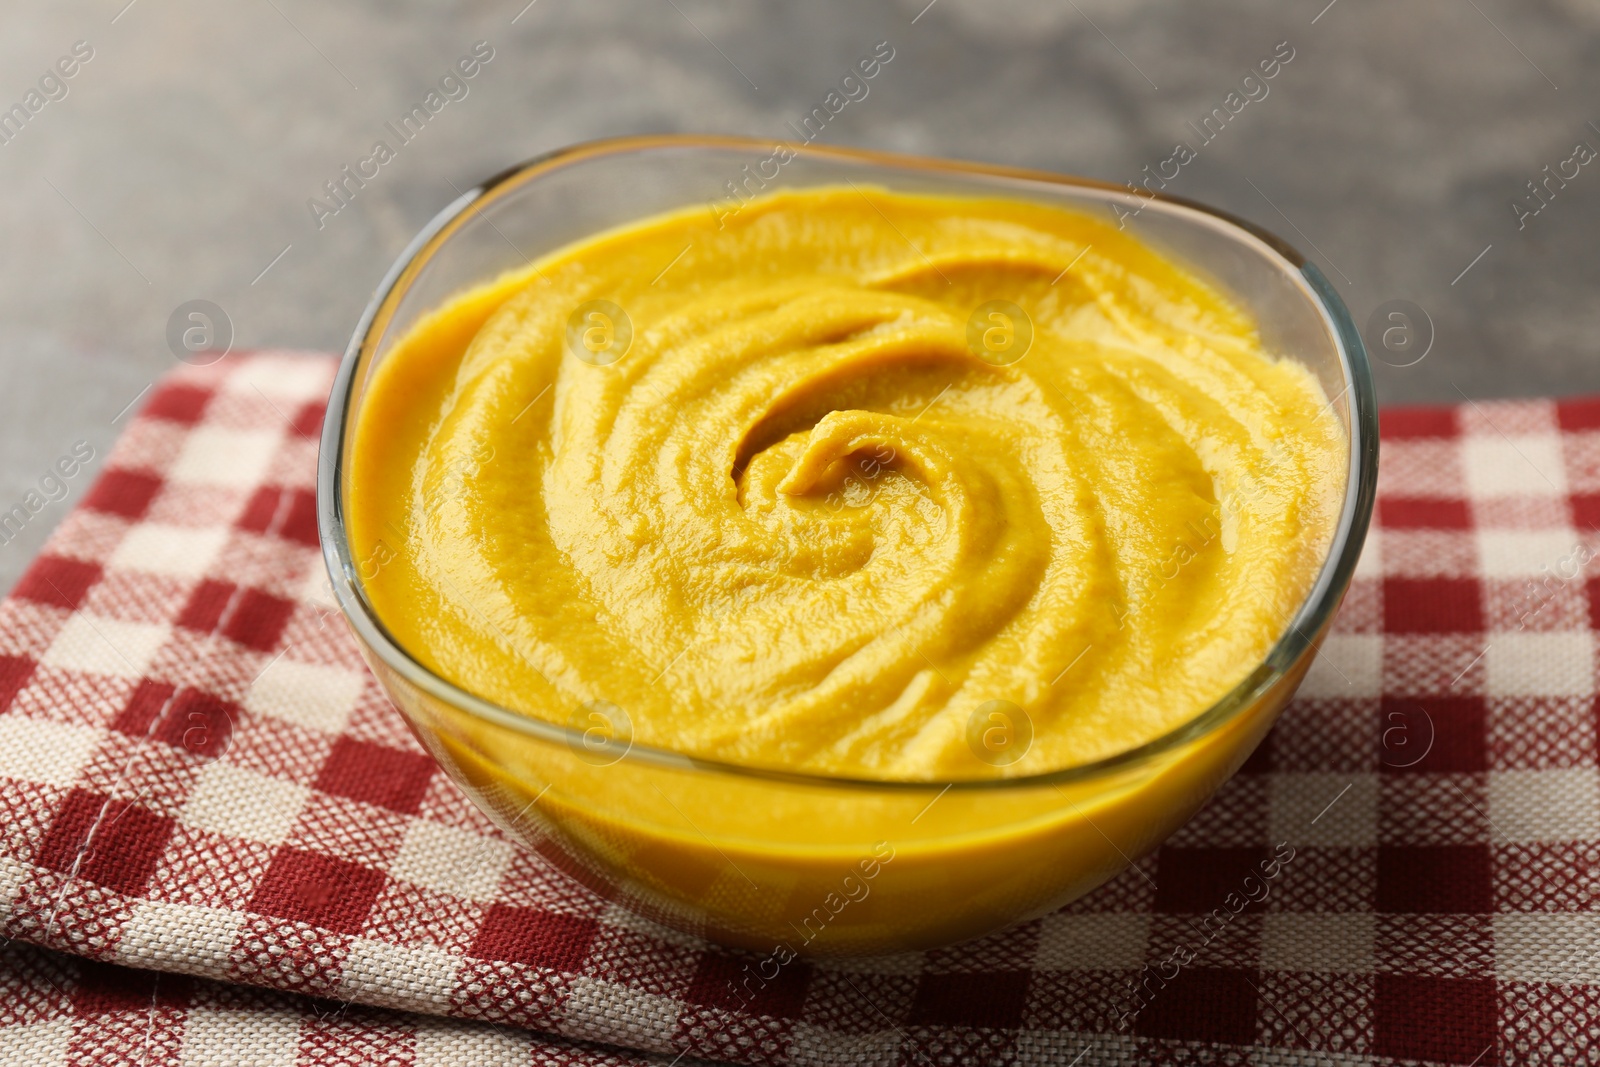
{"x":1313,"y":615}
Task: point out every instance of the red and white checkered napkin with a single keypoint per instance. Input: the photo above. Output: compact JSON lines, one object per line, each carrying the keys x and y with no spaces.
{"x":67,"y":1011}
{"x":197,"y":775}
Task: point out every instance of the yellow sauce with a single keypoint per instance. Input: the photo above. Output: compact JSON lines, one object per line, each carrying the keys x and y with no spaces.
{"x":854,"y":482}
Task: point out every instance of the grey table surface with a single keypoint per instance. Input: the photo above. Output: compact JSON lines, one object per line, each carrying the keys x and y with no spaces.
{"x":179,"y":163}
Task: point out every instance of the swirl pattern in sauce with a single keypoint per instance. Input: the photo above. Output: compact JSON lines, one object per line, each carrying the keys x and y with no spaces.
{"x":848,"y":486}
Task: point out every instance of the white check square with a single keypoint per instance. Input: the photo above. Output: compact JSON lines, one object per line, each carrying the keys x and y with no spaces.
{"x":1327,"y":809}
{"x":1349,"y":666}
{"x":106,"y":646}
{"x":593,"y":999}
{"x":1526,"y":553}
{"x":452,"y":861}
{"x":211,"y":1038}
{"x":236,"y":802}
{"x":1558,"y":949}
{"x":1515,"y":465}
{"x":1105,"y":942}
{"x":387,"y":973}
{"x":43,"y":1043}
{"x":311,"y":695}
{"x":176,"y":551}
{"x":1339,"y":942}
{"x":1559,"y":664}
{"x":237,"y":459}
{"x":1529,"y":807}
{"x":161,"y":931}
{"x":438,"y":1043}
{"x":33,"y":750}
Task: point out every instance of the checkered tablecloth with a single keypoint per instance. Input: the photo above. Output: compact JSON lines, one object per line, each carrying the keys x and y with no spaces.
{"x":197,"y":775}
{"x":58,"y":1010}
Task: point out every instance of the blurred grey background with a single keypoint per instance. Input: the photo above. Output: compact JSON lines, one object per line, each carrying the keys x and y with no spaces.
{"x":179,"y":162}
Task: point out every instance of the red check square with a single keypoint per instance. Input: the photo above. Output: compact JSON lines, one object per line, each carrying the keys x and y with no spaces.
{"x":112,"y":843}
{"x":732,"y":982}
{"x":123,"y":492}
{"x":377,"y":774}
{"x":1585,"y":511}
{"x":289,"y":513}
{"x":15,"y":671}
{"x":1432,"y":605}
{"x":206,"y":605}
{"x":150,"y":698}
{"x":1434,"y":735}
{"x":257,"y":621}
{"x":1443,"y":1020}
{"x":1202,"y":1004}
{"x":177,"y":403}
{"x":199,"y":723}
{"x":1196,"y":880}
{"x":311,"y":888}
{"x":104,"y":989}
{"x":991,"y":1000}
{"x":60,"y":582}
{"x":534,"y":936}
{"x":1578,"y":413}
{"x":1420,"y":513}
{"x":1435,"y":878}
{"x":1405,"y":424}
{"x":308,"y":420}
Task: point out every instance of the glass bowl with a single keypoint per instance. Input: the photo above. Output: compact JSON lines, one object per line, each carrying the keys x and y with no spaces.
{"x":805,"y":864}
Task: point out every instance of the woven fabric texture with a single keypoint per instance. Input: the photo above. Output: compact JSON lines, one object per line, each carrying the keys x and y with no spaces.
{"x":67,"y":1011}
{"x":198,"y":775}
